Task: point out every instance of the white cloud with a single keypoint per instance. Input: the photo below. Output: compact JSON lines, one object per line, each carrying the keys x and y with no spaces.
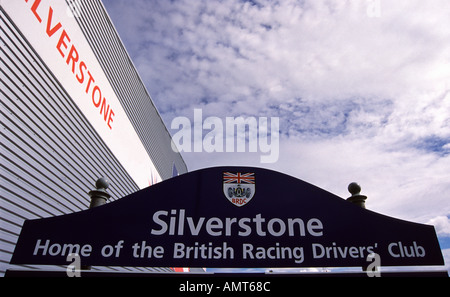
{"x":442,"y":225}
{"x":232,"y":51}
{"x":359,"y":98}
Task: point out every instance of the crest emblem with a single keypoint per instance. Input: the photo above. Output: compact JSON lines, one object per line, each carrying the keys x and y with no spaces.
{"x":239,"y":188}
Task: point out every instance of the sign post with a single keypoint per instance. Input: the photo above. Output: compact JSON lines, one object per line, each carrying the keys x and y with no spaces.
{"x":237,"y":217}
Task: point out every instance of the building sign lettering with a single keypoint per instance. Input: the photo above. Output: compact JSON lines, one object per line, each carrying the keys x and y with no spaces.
{"x":186,"y":222}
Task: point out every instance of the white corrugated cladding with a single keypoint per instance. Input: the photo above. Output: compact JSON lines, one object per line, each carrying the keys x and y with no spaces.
{"x":51,"y":156}
{"x":126,"y":82}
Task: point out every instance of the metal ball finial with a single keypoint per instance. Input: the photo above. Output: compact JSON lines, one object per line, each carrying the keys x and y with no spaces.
{"x":356,"y":198}
{"x":99,"y":196}
{"x":102,"y":183}
{"x":354,"y":188}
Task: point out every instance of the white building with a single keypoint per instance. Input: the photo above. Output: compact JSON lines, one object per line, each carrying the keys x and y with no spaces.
{"x":73,"y":109}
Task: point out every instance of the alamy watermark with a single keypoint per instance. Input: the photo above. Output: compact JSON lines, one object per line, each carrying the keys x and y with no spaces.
{"x":373,"y":269}
{"x":235,"y":134}
{"x":373,"y":8}
{"x":74,"y":269}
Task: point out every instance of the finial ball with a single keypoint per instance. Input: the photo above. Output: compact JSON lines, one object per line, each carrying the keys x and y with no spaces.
{"x":102,"y":183}
{"x":354,"y":188}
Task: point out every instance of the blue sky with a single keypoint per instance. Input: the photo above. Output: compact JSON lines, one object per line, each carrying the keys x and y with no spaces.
{"x":362,"y":88}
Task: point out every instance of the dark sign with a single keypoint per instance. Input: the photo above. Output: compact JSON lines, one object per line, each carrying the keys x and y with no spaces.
{"x":228,"y":217}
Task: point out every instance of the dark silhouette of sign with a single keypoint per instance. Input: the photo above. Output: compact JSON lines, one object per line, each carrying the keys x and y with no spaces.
{"x":228,"y":217}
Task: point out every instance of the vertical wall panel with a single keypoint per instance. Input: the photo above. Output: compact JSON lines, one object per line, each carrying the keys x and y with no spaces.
{"x":50,"y":155}
{"x":126,"y":82}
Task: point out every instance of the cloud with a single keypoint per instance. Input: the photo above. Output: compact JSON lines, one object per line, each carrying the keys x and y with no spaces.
{"x":442,"y":225}
{"x":360,"y":97}
{"x":318,"y":51}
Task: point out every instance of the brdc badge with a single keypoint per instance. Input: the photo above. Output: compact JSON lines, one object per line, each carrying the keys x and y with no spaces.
{"x":239,"y":188}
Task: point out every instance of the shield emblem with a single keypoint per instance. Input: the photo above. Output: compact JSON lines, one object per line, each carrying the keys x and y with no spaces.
{"x":239,"y":188}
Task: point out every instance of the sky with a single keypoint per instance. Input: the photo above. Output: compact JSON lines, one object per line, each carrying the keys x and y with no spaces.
{"x":361,"y":89}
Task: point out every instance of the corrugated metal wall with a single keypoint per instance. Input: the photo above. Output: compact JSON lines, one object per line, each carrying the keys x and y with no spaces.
{"x":126,"y":82}
{"x":50,"y":154}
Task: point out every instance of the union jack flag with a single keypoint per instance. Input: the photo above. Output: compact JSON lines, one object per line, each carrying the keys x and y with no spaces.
{"x":239,"y":178}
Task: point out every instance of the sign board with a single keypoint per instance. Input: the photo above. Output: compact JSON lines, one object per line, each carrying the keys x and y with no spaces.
{"x":50,"y":26}
{"x":228,"y":217}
